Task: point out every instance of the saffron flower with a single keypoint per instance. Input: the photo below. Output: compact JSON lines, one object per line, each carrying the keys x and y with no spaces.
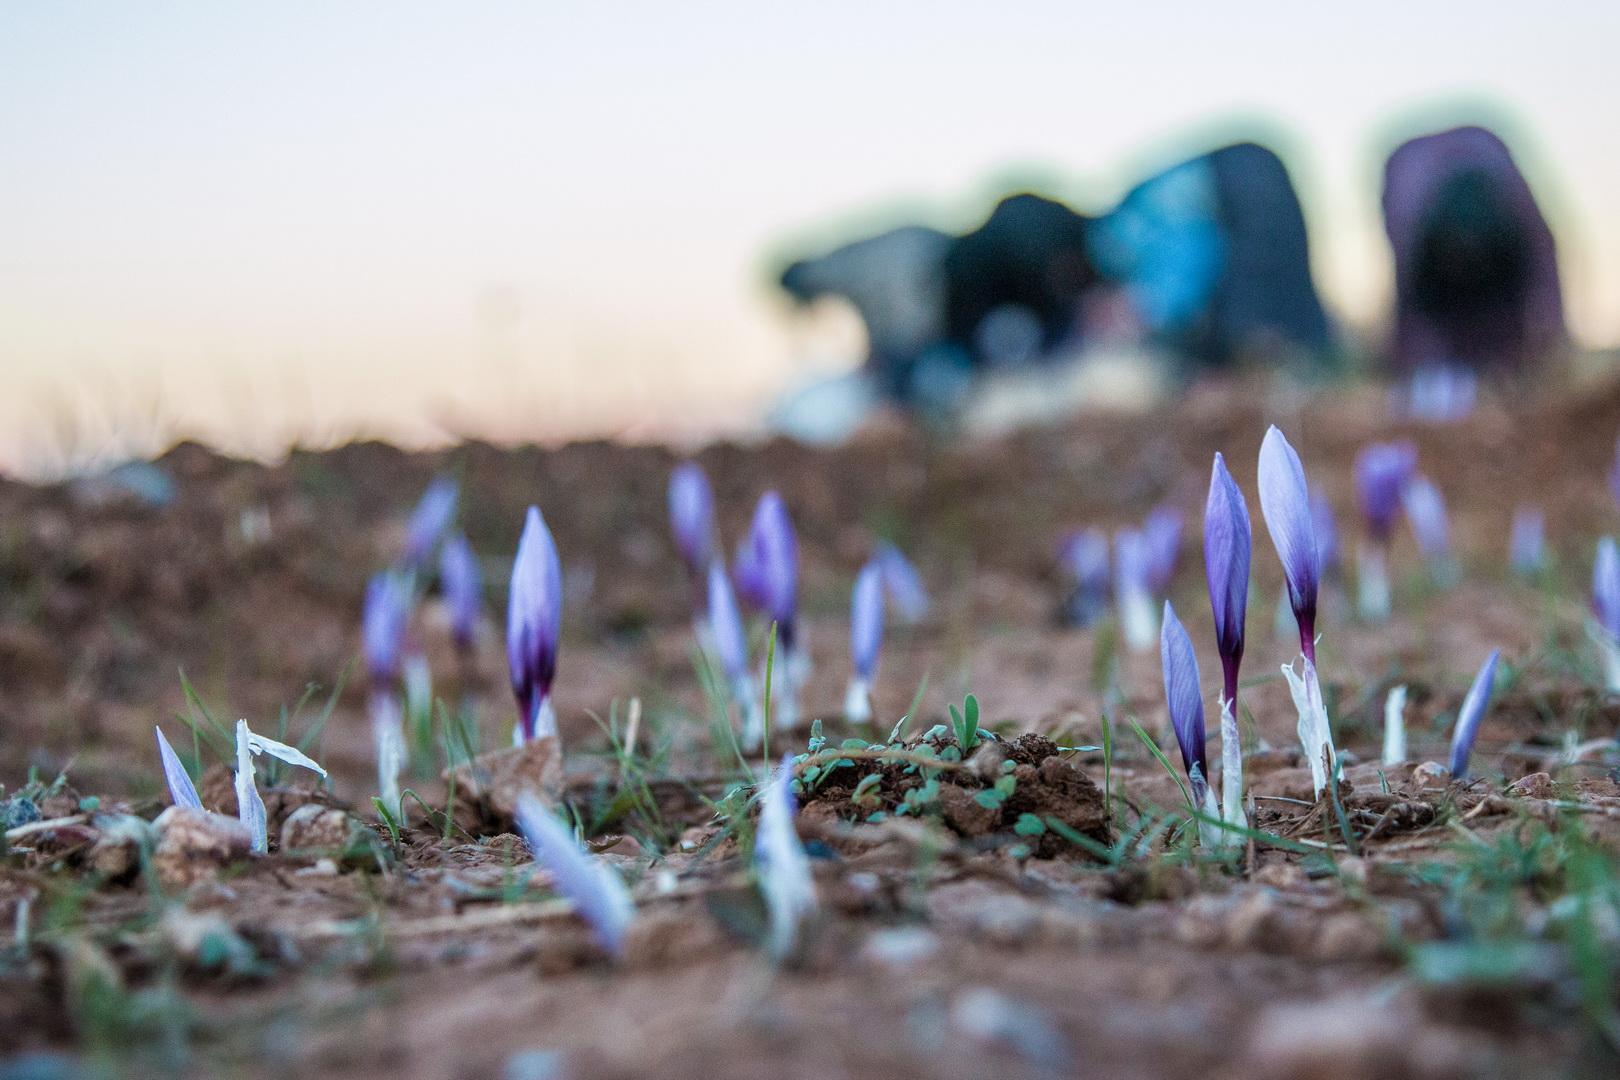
{"x":1469,"y":716}
{"x":1285,"y":502}
{"x":725,"y":630}
{"x":597,"y":892}
{"x":1426,"y":510}
{"x":865,"y":640}
{"x":533,"y":626}
{"x":1132,"y":597}
{"x":1527,"y":542}
{"x":1441,"y":393}
{"x":1084,"y":555}
{"x":1161,"y":538}
{"x":780,"y":863}
{"x":691,"y":517}
{"x":1381,"y":473}
{"x":767,"y":574}
{"x":1606,"y":610}
{"x":387,"y":610}
{"x":1227,"y":548}
{"x":249,"y":805}
{"x":901,"y":582}
{"x":1186,"y":703}
{"x":182,"y":792}
{"x":1395,"y":726}
{"x":430,"y":519}
{"x":1327,"y":534}
{"x":463,"y":586}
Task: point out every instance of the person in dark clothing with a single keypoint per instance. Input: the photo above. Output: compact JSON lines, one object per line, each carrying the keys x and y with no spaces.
{"x":1476,"y":268}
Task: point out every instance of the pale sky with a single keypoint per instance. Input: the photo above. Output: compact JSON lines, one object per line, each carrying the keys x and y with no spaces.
{"x":260,"y":222}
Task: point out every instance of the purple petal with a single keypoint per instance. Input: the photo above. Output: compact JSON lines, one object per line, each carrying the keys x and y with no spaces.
{"x":767,"y":566}
{"x":1185,"y":699}
{"x":1285,"y":501}
{"x":1227,"y":547}
{"x":1161,"y":535}
{"x":866,"y":620}
{"x":596,"y":891}
{"x":725,"y":623}
{"x":383,"y":618}
{"x":1469,"y":716}
{"x":1527,"y":540}
{"x":1381,"y":472}
{"x":463,"y":587}
{"x":1327,"y":531}
{"x":1426,"y":510}
{"x":905,"y":588}
{"x":691,"y":515}
{"x":182,"y":792}
{"x":430,"y":519}
{"x":1130,"y":563}
{"x":1606,"y":587}
{"x":533,"y":618}
{"x":1084,"y":554}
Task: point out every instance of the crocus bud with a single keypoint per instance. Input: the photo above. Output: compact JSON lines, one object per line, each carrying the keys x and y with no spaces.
{"x":594,"y":888}
{"x":865,"y":639}
{"x":780,"y":863}
{"x":1227,"y":546}
{"x":429,"y":520}
{"x":249,"y":806}
{"x":1084,"y":556}
{"x":1186,"y":700}
{"x":386,"y":610}
{"x":767,"y":566}
{"x":1442,"y":393}
{"x":1469,"y":716}
{"x":1327,"y":533}
{"x":533,"y":625}
{"x":1285,"y":502}
{"x":1161,"y":539}
{"x":182,"y":792}
{"x":1426,"y":510}
{"x":731,"y":644}
{"x":1614,"y":473}
{"x":1381,"y":471}
{"x":1606,"y":587}
{"x":901,"y":582}
{"x":1527,"y":553}
{"x":1132,"y":598}
{"x":691,"y":517}
{"x":463,"y":587}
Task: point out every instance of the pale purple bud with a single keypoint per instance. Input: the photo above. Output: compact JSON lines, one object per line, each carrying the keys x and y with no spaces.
{"x":866,"y":620}
{"x":1606,"y":587}
{"x":1161,"y":535}
{"x":1227,"y":547}
{"x":386,"y":611}
{"x":463,"y":587}
{"x":1327,"y":532}
{"x":594,"y":888}
{"x":767,"y":565}
{"x":691,"y":516}
{"x":781,"y":863}
{"x":1469,"y":716}
{"x":533,"y":620}
{"x":1285,"y":502}
{"x":432,"y":516}
{"x":1186,"y":700}
{"x":1426,"y":510}
{"x":903,"y":584}
{"x":1527,"y":541}
{"x":725,"y":624}
{"x":1084,"y":555}
{"x":1442,"y":393}
{"x":1381,"y":471}
{"x":1130,"y":563}
{"x":1614,"y":473}
{"x":182,"y":792}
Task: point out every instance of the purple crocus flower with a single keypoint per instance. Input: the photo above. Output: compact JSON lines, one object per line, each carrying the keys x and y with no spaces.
{"x":1527,"y":541}
{"x":731,"y":643}
{"x":463,"y":587}
{"x":1161,"y":536}
{"x":691,"y":517}
{"x":386,"y":611}
{"x":1285,"y":502}
{"x":594,"y":888}
{"x":1084,"y":555}
{"x":1469,"y":716}
{"x":1381,"y":471}
{"x":1227,"y":545}
{"x":1327,"y":532}
{"x":1186,"y":700}
{"x":429,"y":520}
{"x":1614,"y":473}
{"x":1426,"y":510}
{"x":866,"y":621}
{"x":767,"y":566}
{"x":182,"y":792}
{"x":533,"y":625}
{"x":1606,"y":587}
{"x":902,"y":583}
{"x":1132,"y":597}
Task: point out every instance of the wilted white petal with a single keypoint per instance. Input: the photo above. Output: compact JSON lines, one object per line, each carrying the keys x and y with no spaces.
{"x":781,"y":862}
{"x":596,"y":891}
